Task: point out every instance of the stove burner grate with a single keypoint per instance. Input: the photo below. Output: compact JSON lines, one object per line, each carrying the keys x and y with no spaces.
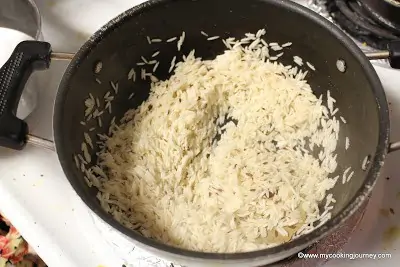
{"x":357,"y":21}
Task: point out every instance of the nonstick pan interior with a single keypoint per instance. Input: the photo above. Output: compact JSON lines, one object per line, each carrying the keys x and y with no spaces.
{"x":120,"y":45}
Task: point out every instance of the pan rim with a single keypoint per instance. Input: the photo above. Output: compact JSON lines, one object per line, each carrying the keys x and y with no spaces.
{"x":295,"y":245}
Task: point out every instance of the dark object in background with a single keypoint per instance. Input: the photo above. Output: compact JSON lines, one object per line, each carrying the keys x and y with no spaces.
{"x":374,"y":22}
{"x":4,"y":228}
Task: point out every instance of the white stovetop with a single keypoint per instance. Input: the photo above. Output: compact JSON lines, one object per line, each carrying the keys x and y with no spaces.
{"x":38,"y":199}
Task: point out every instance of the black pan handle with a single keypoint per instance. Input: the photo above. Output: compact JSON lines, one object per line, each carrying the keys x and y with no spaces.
{"x":392,"y":54}
{"x":27,"y":57}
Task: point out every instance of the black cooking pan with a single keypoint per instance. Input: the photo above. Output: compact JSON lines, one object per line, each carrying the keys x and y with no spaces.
{"x":341,"y":67}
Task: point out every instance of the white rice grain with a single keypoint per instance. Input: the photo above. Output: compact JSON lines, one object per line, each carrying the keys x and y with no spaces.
{"x":99,"y":171}
{"x":330,"y":102}
{"x":76,"y":161}
{"x":253,"y":44}
{"x":344,"y":177}
{"x":181,"y":40}
{"x":156,"y":66}
{"x":86,"y":154}
{"x":88,"y":140}
{"x":153,"y":79}
{"x":132,"y":75}
{"x":107,"y":105}
{"x":286,"y":44}
{"x":276,"y":48}
{"x":227,"y":45}
{"x":172,"y":39}
{"x":204,"y":34}
{"x":350,"y":176}
{"x":144,"y":60}
{"x":212,"y":38}
{"x":260,"y":33}
{"x":329,"y":200}
{"x":83,"y":168}
{"x":326,"y":211}
{"x":89,"y":117}
{"x":298,"y":60}
{"x":264,"y":43}
{"x":143,"y":74}
{"x":90,"y":105}
{"x":114,"y":86}
{"x":98,"y":67}
{"x":172,"y":64}
{"x":365,"y":163}
{"x":250,"y":35}
{"x":96,"y":113}
{"x":82,"y":159}
{"x":311,"y":66}
{"x":88,"y":182}
{"x":109,"y":98}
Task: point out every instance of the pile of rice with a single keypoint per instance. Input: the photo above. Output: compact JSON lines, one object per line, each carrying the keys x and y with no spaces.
{"x":228,"y":155}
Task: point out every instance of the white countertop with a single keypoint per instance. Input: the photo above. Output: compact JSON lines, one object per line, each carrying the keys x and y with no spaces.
{"x":40,"y":202}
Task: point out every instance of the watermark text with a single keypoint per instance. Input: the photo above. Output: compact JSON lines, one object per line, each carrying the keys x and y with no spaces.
{"x":349,"y":256}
